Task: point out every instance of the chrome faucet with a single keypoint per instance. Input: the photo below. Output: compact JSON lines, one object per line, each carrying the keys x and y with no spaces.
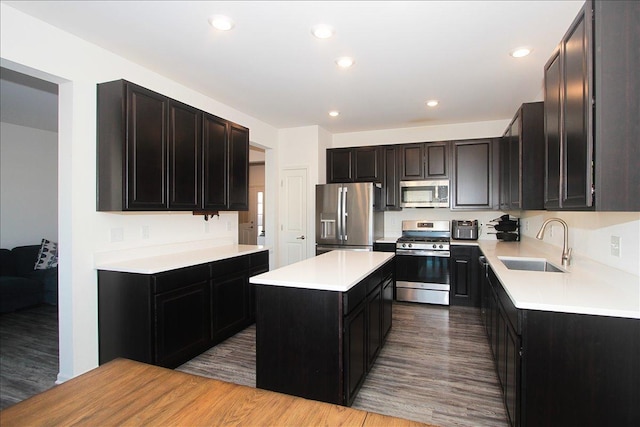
{"x":566,"y":250}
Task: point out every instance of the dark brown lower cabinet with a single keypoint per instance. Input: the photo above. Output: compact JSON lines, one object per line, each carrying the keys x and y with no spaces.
{"x":320,"y":344}
{"x":181,"y":324}
{"x":387,"y":306}
{"x":355,"y":343}
{"x":562,"y":369}
{"x":229,"y":296}
{"x":168,"y":318}
{"x":464,"y":276}
{"x":374,"y":323}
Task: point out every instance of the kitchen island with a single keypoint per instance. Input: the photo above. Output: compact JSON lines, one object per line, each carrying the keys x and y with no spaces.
{"x":321,"y":322}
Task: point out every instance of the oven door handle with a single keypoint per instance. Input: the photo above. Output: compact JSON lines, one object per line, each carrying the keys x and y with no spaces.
{"x":417,"y":252}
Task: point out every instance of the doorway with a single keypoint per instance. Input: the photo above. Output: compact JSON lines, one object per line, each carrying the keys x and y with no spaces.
{"x":28,"y":214}
{"x":251,"y":223}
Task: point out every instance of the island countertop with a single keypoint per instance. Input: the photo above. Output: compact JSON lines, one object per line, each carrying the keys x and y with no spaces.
{"x":333,"y":271}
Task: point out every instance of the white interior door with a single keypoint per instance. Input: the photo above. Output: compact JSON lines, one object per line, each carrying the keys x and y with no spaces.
{"x":293,"y":214}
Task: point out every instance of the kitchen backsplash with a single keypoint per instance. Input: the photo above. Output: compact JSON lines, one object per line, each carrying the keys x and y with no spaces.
{"x":590,"y":233}
{"x":393,"y":220}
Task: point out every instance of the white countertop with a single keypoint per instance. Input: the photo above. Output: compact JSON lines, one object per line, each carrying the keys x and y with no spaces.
{"x":387,"y":239}
{"x":332,"y":271}
{"x":587,"y":287}
{"x":179,"y":259}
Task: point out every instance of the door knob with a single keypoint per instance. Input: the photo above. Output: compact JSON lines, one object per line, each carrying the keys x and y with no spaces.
{"x":300,"y":237}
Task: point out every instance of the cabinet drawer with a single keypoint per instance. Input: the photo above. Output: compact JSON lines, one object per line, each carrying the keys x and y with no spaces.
{"x":260,"y":259}
{"x":182,"y":277}
{"x":230,"y":266}
{"x":353,"y":297}
{"x":512,"y":314}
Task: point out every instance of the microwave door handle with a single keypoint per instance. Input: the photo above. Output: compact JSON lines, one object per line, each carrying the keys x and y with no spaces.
{"x":345,"y":213}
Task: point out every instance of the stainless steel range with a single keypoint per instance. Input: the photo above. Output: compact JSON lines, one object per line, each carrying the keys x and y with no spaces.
{"x":422,"y":262}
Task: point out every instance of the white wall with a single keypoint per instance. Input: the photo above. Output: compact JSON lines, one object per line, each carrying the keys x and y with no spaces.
{"x":487,"y":129}
{"x":28,"y":185}
{"x":300,"y":148}
{"x":33,"y":47}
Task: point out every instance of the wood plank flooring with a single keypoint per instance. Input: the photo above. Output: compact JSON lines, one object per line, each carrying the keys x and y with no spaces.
{"x":28,"y":353}
{"x":435,"y":368}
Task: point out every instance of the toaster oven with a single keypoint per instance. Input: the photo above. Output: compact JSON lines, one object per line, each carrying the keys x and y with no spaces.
{"x":464,"y":229}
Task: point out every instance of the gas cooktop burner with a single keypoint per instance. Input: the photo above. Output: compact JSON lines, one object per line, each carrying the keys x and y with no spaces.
{"x":425,"y":235}
{"x":412,"y":239}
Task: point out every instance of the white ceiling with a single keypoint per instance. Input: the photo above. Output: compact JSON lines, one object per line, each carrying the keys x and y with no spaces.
{"x":271,"y":67}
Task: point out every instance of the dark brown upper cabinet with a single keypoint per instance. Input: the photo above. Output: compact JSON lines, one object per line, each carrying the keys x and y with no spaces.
{"x":472,"y":181}
{"x":339,"y":165}
{"x":522,"y":160}
{"x":132,"y":148}
{"x":591,"y":111}
{"x":238,"y":168}
{"x":157,"y":154}
{"x":215,"y":169}
{"x":390,"y":182}
{"x":185,"y":156}
{"x":226,"y":165}
{"x":428,"y":160}
{"x":354,"y":164}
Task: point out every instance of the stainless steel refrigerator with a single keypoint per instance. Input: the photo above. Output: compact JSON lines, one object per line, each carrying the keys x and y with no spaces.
{"x":348,"y":217}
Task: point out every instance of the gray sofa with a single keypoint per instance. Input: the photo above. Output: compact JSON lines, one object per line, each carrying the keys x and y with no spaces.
{"x":20,"y":285}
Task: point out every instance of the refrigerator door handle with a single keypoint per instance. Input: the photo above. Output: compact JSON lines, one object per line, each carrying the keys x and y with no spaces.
{"x":339,"y":213}
{"x":345,"y":213}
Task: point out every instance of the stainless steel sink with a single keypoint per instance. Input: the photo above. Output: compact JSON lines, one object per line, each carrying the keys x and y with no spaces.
{"x":530,"y":264}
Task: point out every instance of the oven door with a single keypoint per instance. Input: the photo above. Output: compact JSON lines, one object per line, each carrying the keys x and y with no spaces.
{"x":422,"y":276}
{"x":423,"y":266}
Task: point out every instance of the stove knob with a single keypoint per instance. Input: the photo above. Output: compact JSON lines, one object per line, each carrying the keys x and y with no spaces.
{"x":404,"y":245}
{"x":410,"y":245}
{"x":441,"y":246}
{"x":435,"y":246}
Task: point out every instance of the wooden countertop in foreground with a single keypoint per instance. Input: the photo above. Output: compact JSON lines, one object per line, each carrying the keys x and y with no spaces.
{"x":124,"y":392}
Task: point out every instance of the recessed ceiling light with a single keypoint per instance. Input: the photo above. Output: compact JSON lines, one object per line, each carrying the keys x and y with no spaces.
{"x":520,"y":52}
{"x":221,"y":22}
{"x":334,"y":113}
{"x":345,"y":62}
{"x":432,"y":102}
{"x":322,"y":31}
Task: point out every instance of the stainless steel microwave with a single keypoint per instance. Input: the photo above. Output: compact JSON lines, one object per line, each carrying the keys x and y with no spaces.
{"x":424,"y":194}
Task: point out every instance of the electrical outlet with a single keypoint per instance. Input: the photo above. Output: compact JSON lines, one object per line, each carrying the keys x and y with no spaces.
{"x":117,"y":234}
{"x":526,"y":225}
{"x":228,"y":225}
{"x":615,"y":246}
{"x":144,"y":232}
{"x":551,"y":230}
{"x":206,"y":227}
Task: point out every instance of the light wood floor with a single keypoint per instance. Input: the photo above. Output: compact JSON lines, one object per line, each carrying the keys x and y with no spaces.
{"x":435,"y":368}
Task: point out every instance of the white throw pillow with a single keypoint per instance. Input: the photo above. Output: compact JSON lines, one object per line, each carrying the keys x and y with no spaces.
{"x":48,"y":255}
